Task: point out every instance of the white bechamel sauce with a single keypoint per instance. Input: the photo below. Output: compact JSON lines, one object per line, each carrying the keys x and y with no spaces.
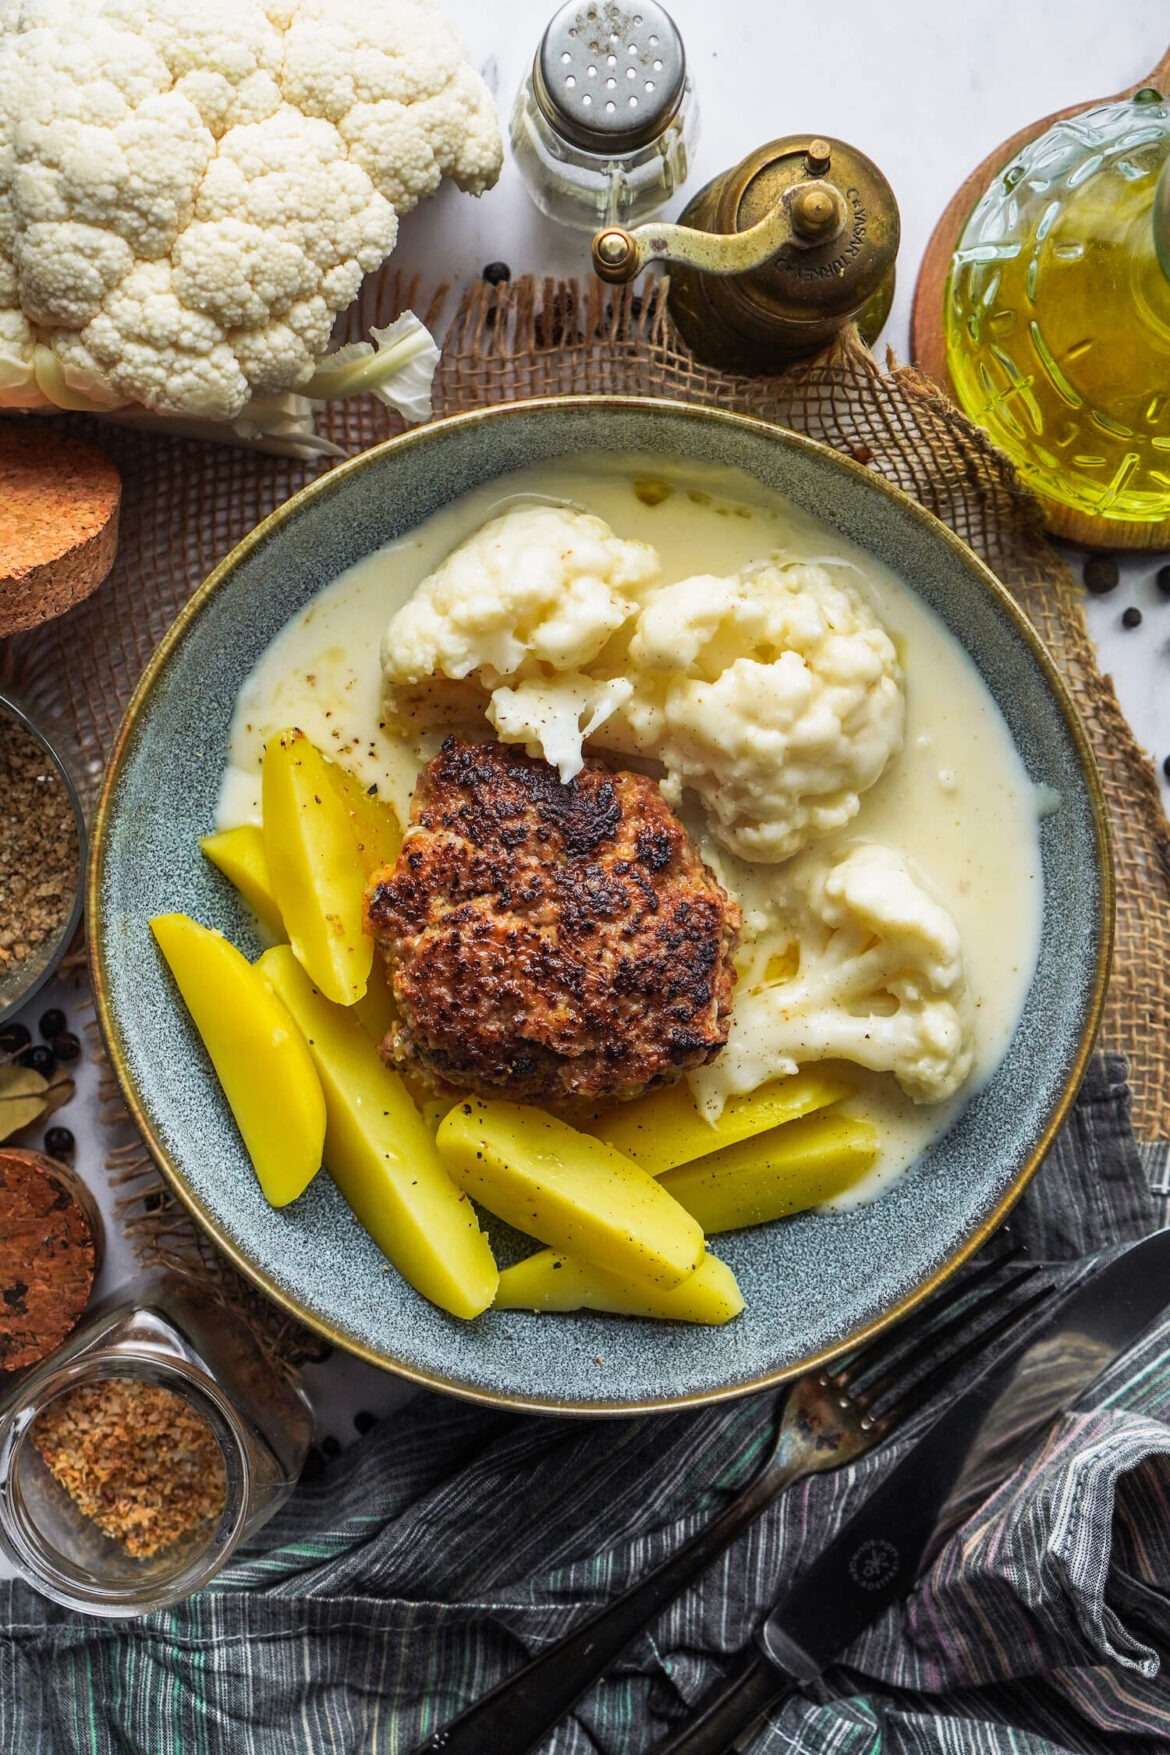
{"x":957,"y":800}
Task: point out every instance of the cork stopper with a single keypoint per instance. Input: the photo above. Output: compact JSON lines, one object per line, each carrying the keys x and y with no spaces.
{"x":58,"y":522}
{"x":51,"y":1247}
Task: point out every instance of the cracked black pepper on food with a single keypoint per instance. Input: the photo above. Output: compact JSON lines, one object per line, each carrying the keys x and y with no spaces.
{"x":39,"y":855}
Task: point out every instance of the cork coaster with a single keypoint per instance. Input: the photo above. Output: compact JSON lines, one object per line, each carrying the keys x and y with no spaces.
{"x":58,"y":522}
{"x":51,"y":1248}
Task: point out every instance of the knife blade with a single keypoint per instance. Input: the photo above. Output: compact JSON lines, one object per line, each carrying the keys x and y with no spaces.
{"x":975,"y":1443}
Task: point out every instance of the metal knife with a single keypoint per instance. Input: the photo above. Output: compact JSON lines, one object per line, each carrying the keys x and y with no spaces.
{"x":976,"y":1442}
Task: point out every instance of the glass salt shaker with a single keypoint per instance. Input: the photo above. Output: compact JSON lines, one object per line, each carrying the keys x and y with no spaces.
{"x":253,"y":1424}
{"x":604,"y":127}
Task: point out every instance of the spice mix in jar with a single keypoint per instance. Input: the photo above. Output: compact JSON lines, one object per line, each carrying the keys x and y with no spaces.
{"x":41,"y":857}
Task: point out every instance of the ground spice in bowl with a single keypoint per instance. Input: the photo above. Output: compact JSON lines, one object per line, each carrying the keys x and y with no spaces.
{"x":134,"y":1458}
{"x":40,"y":860}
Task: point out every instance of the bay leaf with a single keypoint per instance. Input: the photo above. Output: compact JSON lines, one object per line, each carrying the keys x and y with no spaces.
{"x":61,"y":1090}
{"x":23,"y":1098}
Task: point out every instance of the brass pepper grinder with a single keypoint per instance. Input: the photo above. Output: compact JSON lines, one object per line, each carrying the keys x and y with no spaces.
{"x":771,"y":259}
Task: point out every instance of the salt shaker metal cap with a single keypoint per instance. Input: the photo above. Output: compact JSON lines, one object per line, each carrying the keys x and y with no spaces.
{"x":608,"y":77}
{"x":604,"y":126}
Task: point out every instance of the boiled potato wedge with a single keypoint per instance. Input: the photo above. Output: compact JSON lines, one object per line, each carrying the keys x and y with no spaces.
{"x":239,"y":854}
{"x":317,"y":873}
{"x":666,"y":1129}
{"x":376,"y":1009}
{"x":382,"y":1156}
{"x":376,"y":828}
{"x":259,"y":1055}
{"x":570,"y":1191}
{"x":782,"y":1172}
{"x":548,"y":1281}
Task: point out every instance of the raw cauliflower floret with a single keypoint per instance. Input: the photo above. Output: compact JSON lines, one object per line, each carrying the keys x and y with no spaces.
{"x":775,"y":694}
{"x":877,"y":978}
{"x":521,"y":610}
{"x":189,"y":195}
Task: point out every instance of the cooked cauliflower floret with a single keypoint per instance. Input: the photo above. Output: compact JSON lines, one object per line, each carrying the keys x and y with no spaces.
{"x":553,"y":717}
{"x":522,"y":608}
{"x":539,"y":583}
{"x":774,"y":694}
{"x":877,"y":978}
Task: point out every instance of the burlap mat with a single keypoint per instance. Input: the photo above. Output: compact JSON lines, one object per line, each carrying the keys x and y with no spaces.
{"x":186,"y":504}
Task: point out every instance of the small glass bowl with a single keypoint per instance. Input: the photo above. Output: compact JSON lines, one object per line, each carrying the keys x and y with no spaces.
{"x":31,"y":975}
{"x":64,"y":1553}
{"x":168,"y":1329}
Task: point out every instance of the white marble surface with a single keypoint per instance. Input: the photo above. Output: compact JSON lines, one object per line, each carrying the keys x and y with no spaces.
{"x":927,"y":90}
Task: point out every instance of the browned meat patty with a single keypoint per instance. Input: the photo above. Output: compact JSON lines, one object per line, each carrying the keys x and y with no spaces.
{"x":548,"y":941}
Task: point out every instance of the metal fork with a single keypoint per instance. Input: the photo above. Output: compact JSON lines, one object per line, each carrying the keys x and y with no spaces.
{"x":830,"y":1417}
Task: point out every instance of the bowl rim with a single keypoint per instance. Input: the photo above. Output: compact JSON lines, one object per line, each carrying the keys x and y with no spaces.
{"x":433,"y":433}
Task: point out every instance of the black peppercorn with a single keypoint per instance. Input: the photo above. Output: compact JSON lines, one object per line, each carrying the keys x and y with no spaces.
{"x":497,"y":273}
{"x":1162,"y":580}
{"x":60,"y":1143}
{"x":65,"y":1046}
{"x":330,"y":1446}
{"x":14,"y":1037}
{"x":1166,"y":767}
{"x":39,"y":1058}
{"x":364,"y":1421}
{"x":1132,"y":617}
{"x":52,"y":1023}
{"x":1101,"y":574}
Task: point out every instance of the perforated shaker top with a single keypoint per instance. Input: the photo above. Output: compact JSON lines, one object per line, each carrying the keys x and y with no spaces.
{"x":609,"y":76}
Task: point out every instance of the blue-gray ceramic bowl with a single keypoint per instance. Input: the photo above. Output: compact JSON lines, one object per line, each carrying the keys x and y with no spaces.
{"x":813,"y":1284}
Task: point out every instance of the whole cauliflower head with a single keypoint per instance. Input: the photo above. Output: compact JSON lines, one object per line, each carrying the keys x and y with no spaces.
{"x":190,"y":194}
{"x":523,"y":609}
{"x":775,"y":694}
{"x":873,"y":973}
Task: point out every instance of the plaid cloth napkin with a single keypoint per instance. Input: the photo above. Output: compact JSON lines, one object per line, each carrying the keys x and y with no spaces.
{"x":451,"y":1544}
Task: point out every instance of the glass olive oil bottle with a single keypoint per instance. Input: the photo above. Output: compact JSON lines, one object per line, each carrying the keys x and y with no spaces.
{"x":1057,"y":311}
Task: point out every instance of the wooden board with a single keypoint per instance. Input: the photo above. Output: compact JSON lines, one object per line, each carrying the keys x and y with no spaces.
{"x":928,"y":343}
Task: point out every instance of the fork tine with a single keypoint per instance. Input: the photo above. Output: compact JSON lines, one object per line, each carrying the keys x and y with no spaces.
{"x":920,"y":1393}
{"x":902,"y":1338}
{"x":937,"y":1337}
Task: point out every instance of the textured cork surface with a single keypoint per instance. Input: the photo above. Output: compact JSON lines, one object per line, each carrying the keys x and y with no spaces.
{"x":58,"y":522}
{"x":50,"y":1252}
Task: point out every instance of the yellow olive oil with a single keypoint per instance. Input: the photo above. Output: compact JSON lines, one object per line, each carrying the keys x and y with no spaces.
{"x":1057,"y":313}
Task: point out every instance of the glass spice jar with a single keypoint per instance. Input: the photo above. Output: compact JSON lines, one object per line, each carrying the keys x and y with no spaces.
{"x":604,"y":127}
{"x":237,"y":1430}
{"x":44,"y":795}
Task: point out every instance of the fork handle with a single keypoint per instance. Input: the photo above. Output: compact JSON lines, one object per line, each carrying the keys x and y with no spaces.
{"x":521,"y":1710}
{"x":746,"y":1692}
